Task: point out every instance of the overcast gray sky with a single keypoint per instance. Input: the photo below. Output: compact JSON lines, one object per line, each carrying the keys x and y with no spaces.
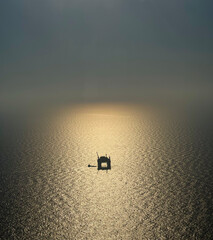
{"x":118,"y":49}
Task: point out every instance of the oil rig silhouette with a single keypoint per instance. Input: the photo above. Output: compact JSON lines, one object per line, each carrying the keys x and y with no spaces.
{"x":104,"y":163}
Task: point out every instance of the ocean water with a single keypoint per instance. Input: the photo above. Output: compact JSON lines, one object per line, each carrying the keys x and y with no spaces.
{"x":160,"y":185}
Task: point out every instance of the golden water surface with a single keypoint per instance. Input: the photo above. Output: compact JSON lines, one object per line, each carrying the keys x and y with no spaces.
{"x":151,"y":192}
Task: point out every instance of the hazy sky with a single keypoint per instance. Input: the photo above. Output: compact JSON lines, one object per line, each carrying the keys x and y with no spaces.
{"x":80,"y":49}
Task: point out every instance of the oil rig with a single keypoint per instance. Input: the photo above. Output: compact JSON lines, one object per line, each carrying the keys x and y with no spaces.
{"x":104,"y":163}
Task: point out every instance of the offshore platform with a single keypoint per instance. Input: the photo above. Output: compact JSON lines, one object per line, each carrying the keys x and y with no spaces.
{"x":104,"y":163}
